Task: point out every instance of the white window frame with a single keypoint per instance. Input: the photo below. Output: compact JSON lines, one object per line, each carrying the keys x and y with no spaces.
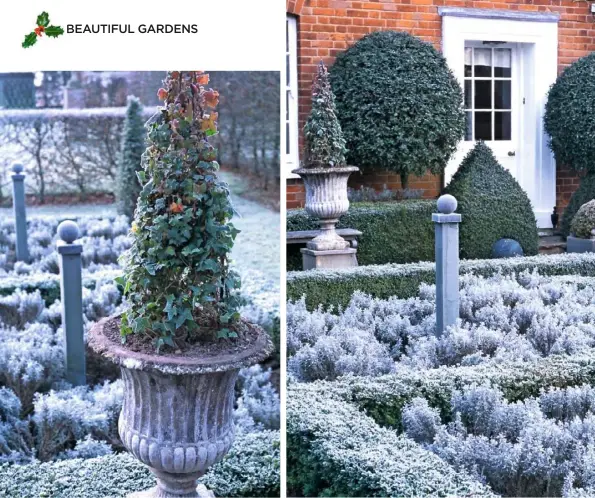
{"x":290,"y":100}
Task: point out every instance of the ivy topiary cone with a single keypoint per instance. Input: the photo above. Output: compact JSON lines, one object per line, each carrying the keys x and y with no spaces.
{"x":493,"y":206}
{"x":584,"y":221}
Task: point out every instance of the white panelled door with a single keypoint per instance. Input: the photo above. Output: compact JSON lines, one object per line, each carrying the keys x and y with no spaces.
{"x":493,"y":102}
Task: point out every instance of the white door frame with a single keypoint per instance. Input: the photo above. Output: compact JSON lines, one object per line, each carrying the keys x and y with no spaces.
{"x":537,"y":35}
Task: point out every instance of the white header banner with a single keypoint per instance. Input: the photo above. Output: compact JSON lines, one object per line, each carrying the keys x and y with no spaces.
{"x":127,"y":35}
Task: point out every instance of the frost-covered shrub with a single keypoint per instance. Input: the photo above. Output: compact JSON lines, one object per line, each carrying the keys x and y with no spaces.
{"x":30,"y":360}
{"x":14,"y":433}
{"x":258,"y":404}
{"x":87,"y":448}
{"x":20,"y":308}
{"x":583,"y":222}
{"x":502,"y":318}
{"x":65,"y":416}
{"x":526,"y":448}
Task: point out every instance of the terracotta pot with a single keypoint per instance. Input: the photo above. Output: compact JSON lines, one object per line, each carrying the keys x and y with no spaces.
{"x":177,"y":415}
{"x":326,"y":199}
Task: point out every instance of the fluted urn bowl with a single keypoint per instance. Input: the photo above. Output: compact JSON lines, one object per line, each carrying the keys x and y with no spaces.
{"x":326,"y":199}
{"x":177,"y":414}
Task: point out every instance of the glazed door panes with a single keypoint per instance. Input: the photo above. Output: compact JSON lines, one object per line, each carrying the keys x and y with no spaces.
{"x":488,"y":93}
{"x":291,"y":118}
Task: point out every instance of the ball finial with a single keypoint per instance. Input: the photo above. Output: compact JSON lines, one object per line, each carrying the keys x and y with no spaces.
{"x":17,"y":168}
{"x":68,"y":231}
{"x":447,"y":204}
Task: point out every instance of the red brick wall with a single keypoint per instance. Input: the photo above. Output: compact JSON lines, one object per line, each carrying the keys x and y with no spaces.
{"x":327,"y":27}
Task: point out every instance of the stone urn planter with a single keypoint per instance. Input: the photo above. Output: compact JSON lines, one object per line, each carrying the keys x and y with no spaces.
{"x":177,"y":414}
{"x":326,"y":199}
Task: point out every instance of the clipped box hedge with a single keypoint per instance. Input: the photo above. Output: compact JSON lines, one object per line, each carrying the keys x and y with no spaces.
{"x":48,"y":284}
{"x":393,"y":232}
{"x":333,"y":449}
{"x":252,"y":468}
{"x":335,"y":287}
{"x":383,"y":398}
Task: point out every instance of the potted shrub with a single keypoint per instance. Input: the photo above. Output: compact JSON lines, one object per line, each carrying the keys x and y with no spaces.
{"x":181,"y":342}
{"x":582,"y":229}
{"x":324,"y":170}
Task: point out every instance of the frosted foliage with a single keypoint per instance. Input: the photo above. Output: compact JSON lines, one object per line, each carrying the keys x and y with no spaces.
{"x":72,"y":414}
{"x":14,"y":434}
{"x":542,"y":446}
{"x":519,"y":316}
{"x":87,"y":448}
{"x":103,"y":240}
{"x":258,"y":405}
{"x":20,"y":308}
{"x":30,"y":359}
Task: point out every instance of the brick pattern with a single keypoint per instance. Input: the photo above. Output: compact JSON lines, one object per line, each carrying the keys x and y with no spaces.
{"x":328,"y":27}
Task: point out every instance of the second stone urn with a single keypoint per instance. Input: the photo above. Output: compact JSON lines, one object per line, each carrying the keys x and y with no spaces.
{"x":177,"y":414}
{"x":326,"y":199}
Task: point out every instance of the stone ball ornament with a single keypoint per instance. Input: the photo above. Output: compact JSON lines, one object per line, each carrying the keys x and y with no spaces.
{"x":68,"y":231}
{"x":506,"y":248}
{"x":17,"y":168}
{"x":447,"y":204}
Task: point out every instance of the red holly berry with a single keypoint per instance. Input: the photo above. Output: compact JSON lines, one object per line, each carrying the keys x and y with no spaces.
{"x":39,"y":29}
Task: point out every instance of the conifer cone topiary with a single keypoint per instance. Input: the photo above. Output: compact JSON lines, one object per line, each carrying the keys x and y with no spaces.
{"x":323,"y":138}
{"x":177,"y":277}
{"x":128,"y":186}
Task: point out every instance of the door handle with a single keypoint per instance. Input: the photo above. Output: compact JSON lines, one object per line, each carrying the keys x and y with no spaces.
{"x":511,"y":153}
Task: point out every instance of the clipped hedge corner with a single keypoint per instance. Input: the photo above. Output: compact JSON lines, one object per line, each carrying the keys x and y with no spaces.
{"x":493,"y":206}
{"x":335,"y":450}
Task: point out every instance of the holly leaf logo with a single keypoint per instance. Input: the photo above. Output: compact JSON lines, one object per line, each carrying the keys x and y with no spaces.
{"x":43,"y":19}
{"x":43,"y":26}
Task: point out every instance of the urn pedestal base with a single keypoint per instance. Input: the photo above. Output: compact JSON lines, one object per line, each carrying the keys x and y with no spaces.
{"x":200,"y":492}
{"x":341,"y":258}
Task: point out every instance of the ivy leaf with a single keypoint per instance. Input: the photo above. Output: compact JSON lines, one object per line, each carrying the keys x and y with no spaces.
{"x":43,"y":19}
{"x":54,"y":31}
{"x":30,"y":40}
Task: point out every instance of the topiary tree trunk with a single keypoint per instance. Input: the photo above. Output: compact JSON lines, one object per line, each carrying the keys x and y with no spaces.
{"x":128,"y":187}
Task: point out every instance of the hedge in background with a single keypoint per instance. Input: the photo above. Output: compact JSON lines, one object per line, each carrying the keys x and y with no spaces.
{"x":569,"y":115}
{"x":493,"y":206}
{"x":251,"y":468}
{"x":335,"y":450}
{"x":128,"y":186}
{"x":400,"y":106}
{"x":393,"y":232}
{"x":335,"y":287}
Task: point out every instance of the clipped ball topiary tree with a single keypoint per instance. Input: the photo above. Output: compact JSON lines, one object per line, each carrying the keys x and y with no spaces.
{"x":177,"y":414}
{"x":569,"y":121}
{"x":128,"y":186}
{"x":400,"y":106}
{"x":493,"y":206}
{"x":584,"y":221}
{"x":569,"y":112}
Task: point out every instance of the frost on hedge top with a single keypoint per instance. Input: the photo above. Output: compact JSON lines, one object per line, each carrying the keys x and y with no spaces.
{"x":176,"y":274}
{"x":323,"y":138}
{"x":400,"y":106}
{"x":583,"y":222}
{"x":568,"y":116}
{"x":493,"y":204}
